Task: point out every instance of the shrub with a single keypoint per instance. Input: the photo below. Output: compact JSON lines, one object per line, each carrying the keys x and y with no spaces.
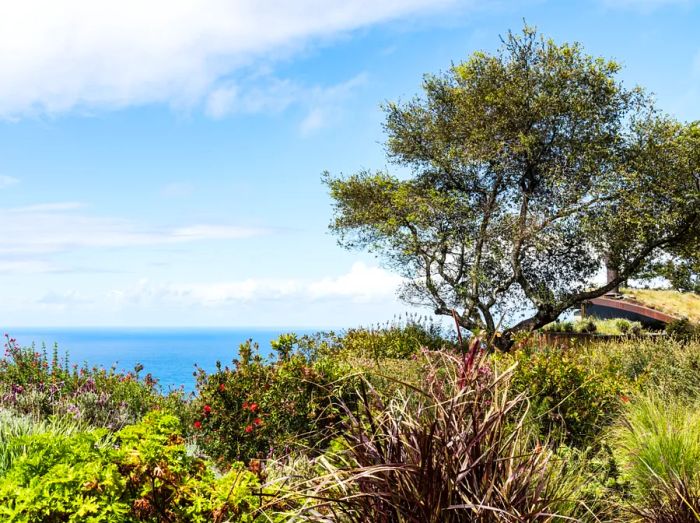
{"x":588,"y":326}
{"x":400,"y":338}
{"x":446,"y":452}
{"x":31,"y":383}
{"x":570,"y":398}
{"x":257,"y":408}
{"x":142,"y":473}
{"x":624,"y":326}
{"x":659,"y":443}
{"x":682,"y":329}
{"x":13,"y":426}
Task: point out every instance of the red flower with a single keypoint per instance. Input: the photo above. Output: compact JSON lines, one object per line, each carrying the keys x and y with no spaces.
{"x":249,"y":428}
{"x":253,"y":407}
{"x":221,"y":387}
{"x":624,"y":399}
{"x":257,"y":421}
{"x":197,"y":424}
{"x":207,"y":409}
{"x":245,"y":405}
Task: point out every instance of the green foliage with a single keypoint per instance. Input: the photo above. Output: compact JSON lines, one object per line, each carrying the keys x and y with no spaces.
{"x":661,"y":366}
{"x":683,"y":330}
{"x":13,"y":426}
{"x":589,"y":326}
{"x":529,"y":165}
{"x":571,"y":399}
{"x":615,"y":327}
{"x":258,"y":408}
{"x":141,"y":473}
{"x":396,"y":339}
{"x":659,"y":444}
{"x":33,"y":383}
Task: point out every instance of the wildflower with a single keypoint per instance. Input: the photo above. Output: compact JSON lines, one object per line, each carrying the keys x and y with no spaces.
{"x":257,"y":421}
{"x":249,"y":428}
{"x":207,"y":409}
{"x":253,"y":407}
{"x":221,"y":387}
{"x":245,"y":405}
{"x":624,"y":399}
{"x":197,"y":424}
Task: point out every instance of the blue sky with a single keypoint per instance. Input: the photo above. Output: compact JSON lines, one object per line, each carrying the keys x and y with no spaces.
{"x":160,"y":162}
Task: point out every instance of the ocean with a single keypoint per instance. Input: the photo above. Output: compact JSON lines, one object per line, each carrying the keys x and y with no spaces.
{"x":169,"y":354}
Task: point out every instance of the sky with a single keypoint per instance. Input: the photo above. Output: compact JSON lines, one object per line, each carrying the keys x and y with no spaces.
{"x":161,"y":161}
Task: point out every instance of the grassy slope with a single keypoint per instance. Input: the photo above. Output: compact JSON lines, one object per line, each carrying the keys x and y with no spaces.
{"x":672,"y":302}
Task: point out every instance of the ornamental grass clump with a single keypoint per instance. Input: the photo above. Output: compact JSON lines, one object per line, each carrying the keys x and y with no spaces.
{"x":457,"y":448}
{"x":659,"y":445}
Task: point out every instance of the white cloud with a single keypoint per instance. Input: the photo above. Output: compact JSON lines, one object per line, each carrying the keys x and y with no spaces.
{"x":7,"y":181}
{"x":271,"y":95}
{"x":362,"y":284}
{"x":56,"y":56}
{"x":56,"y":227}
{"x":61,"y":300}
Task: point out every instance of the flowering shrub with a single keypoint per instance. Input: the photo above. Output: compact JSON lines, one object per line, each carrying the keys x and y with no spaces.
{"x":141,"y":473}
{"x":33,"y":383}
{"x":256,"y":408}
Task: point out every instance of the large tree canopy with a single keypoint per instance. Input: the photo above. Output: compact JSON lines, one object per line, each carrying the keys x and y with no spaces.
{"x":527,"y":169}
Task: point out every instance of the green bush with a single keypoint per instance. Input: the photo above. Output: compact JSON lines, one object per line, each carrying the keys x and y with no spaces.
{"x":571,"y":399}
{"x":682,"y":330}
{"x":588,"y":326}
{"x":141,"y":473}
{"x":624,"y":326}
{"x":400,"y":338}
{"x":257,"y":408}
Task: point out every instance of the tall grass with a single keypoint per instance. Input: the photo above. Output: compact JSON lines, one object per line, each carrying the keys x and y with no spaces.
{"x":455,"y":449}
{"x":659,"y":443}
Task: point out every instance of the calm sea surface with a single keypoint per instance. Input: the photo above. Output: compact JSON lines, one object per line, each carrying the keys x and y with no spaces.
{"x":169,"y":354}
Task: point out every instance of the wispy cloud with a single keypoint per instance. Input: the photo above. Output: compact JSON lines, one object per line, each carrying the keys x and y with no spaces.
{"x":362,"y":284}
{"x":57,"y":227}
{"x":7,"y":181}
{"x":57,"y":56}
{"x":268,"y":94}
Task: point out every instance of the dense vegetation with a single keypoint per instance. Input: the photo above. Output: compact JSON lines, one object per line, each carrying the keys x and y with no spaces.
{"x":393,"y":423}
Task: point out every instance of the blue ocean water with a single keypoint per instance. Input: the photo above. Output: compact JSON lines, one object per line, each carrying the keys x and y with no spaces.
{"x":169,"y":354}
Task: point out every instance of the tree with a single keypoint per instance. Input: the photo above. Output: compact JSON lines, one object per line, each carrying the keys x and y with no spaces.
{"x":527,"y":168}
